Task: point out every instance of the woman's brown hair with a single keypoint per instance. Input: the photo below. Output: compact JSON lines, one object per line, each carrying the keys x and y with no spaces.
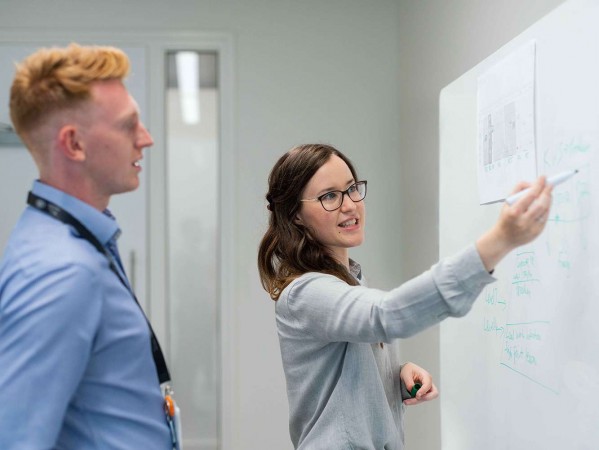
{"x":288,"y":249}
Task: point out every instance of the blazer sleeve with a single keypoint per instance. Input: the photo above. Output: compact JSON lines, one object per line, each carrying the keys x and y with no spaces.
{"x":325,"y":308}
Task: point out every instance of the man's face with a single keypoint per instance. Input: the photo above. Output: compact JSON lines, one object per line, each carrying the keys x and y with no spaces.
{"x":113,"y":138}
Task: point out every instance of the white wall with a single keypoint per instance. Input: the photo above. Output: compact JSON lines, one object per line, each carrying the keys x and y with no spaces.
{"x":308,"y":70}
{"x":439,"y":40}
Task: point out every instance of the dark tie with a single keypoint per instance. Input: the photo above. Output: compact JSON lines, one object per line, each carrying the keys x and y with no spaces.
{"x":114,"y":251}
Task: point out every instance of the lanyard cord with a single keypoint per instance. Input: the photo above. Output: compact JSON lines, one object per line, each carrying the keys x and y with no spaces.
{"x":60,"y":214}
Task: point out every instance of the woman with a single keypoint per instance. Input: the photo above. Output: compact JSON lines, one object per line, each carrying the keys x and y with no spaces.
{"x":347,"y":389}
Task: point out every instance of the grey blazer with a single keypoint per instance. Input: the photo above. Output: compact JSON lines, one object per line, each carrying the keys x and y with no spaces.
{"x":343,"y":388}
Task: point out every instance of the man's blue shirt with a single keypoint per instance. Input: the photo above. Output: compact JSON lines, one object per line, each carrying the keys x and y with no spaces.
{"x":76,"y":367}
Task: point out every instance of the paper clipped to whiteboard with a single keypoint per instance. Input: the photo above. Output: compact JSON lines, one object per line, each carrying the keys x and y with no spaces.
{"x":506,"y":124}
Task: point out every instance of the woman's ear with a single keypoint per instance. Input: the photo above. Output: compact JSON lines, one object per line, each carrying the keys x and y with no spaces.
{"x":297,"y":220}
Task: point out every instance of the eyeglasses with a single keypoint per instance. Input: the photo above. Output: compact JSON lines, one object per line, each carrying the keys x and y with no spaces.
{"x":333,"y":200}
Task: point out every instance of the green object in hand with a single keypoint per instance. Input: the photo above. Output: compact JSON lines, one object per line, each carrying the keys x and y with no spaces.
{"x":415,"y":389}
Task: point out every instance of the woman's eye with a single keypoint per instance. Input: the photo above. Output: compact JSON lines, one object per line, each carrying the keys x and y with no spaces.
{"x":352,"y":188}
{"x":330,"y":196}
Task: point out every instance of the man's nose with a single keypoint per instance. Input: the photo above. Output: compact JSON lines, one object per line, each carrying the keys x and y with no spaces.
{"x":145,"y":138}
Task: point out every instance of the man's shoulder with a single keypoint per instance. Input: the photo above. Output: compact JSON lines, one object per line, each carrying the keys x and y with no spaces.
{"x":39,"y":244}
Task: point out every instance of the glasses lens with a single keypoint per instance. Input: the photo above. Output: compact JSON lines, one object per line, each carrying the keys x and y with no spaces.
{"x":357,"y":191}
{"x":331,"y":200}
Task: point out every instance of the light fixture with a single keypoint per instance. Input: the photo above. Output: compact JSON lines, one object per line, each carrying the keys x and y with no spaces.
{"x":188,"y":80}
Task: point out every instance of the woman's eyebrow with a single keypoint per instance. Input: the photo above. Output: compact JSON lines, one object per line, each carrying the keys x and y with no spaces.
{"x":332,"y":188}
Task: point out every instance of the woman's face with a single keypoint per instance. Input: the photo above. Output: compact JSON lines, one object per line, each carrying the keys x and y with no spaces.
{"x":340,"y":229}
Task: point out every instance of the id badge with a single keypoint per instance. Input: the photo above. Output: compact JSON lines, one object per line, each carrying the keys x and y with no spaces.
{"x":173,"y":418}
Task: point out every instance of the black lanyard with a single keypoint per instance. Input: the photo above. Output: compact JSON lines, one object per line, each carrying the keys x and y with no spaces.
{"x":58,"y":213}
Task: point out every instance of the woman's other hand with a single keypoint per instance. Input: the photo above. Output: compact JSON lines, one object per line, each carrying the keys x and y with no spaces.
{"x":410,"y":375}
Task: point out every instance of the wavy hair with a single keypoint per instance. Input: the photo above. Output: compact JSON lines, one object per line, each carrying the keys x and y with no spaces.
{"x":53,"y":79}
{"x":288,"y":249}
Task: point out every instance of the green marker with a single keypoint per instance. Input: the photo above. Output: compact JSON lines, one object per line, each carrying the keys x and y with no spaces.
{"x":415,"y":389}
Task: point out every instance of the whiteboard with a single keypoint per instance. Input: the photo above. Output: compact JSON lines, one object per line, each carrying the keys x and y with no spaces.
{"x":521,"y":370}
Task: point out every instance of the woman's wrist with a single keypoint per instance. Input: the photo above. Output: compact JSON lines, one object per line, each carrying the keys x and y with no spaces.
{"x":492,"y":247}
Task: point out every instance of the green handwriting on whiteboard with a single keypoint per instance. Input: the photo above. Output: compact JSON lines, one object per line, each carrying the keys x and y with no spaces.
{"x":555,"y":391}
{"x":565,"y":150}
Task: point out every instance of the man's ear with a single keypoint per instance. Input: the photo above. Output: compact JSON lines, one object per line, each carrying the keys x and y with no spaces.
{"x":70,"y":144}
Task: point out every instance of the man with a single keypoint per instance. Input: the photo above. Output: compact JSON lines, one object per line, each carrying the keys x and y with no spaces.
{"x":76,"y":361}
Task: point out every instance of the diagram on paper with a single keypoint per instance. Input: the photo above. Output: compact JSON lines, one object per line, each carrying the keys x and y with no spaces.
{"x":506,"y":125}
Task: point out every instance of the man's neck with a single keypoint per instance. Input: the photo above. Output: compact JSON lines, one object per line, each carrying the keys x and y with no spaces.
{"x":79,"y":191}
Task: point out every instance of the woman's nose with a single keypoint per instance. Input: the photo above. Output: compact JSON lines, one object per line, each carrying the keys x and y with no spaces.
{"x":347,"y":203}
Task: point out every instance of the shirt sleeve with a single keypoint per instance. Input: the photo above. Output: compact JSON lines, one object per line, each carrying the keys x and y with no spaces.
{"x":47,"y":326}
{"x":328,"y":309}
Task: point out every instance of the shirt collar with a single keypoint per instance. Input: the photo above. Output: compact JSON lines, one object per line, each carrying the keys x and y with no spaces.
{"x":355,"y":269}
{"x":101,"y":224}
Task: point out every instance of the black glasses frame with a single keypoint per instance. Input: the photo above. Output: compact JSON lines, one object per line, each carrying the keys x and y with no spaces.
{"x":343,"y":194}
